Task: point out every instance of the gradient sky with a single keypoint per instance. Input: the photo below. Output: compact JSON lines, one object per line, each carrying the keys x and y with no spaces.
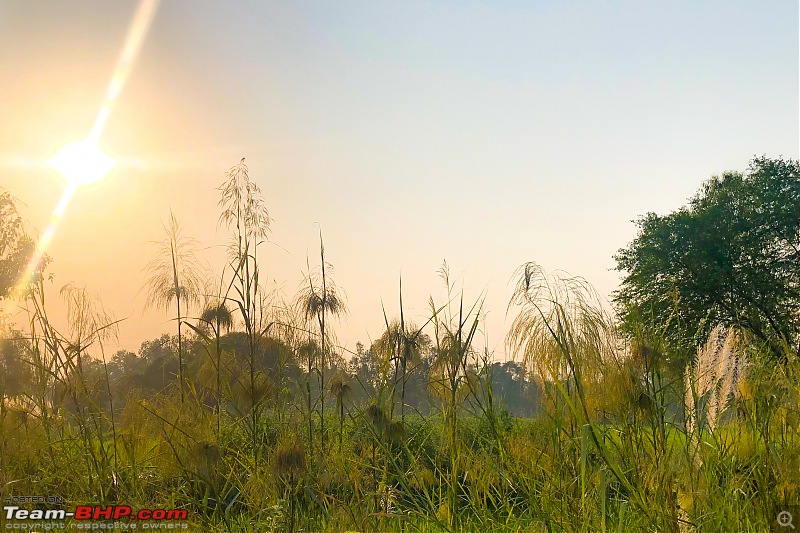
{"x":484,"y":133}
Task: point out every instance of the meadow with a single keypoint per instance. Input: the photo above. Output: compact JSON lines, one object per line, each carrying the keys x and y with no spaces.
{"x":253,"y":418}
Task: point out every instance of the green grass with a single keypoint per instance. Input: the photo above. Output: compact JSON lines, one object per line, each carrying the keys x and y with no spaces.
{"x":533,"y":479}
{"x":235,"y":432}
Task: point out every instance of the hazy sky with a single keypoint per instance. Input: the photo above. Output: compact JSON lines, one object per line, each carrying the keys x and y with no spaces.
{"x":484,"y":133}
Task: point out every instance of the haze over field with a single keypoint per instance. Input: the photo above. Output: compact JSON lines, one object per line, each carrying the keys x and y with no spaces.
{"x":410,"y":133}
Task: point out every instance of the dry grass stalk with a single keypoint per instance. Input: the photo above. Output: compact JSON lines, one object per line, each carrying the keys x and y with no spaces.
{"x":711,"y":382}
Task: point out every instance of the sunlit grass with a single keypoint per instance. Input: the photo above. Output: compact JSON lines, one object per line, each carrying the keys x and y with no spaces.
{"x":227,"y":421}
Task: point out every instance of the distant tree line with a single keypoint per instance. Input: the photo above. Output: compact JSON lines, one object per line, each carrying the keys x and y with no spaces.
{"x":154,"y":367}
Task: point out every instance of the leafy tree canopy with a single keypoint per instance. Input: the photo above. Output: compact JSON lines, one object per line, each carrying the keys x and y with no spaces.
{"x":731,"y":256}
{"x":16,"y":248}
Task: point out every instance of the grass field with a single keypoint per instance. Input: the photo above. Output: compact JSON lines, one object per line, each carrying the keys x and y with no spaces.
{"x":251,"y":418}
{"x":597,"y":457}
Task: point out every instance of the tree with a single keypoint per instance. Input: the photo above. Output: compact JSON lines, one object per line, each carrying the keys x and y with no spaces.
{"x":517,"y":394}
{"x":731,"y":257}
{"x":16,"y":376}
{"x":174,"y":275}
{"x":365,"y":369}
{"x":16,"y":248}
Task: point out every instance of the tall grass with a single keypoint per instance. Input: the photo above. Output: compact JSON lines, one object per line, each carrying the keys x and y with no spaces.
{"x":626,"y":437}
{"x":174,"y":275}
{"x":245,"y":213}
{"x":318,"y":300}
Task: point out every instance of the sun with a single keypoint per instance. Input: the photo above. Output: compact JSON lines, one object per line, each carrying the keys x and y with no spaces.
{"x":82,"y":162}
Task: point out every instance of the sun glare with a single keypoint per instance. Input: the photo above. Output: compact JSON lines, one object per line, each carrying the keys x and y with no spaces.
{"x":82,"y":163}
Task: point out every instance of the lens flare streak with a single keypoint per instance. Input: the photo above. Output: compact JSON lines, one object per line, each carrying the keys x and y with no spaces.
{"x":47,"y":237}
{"x":130,"y":51}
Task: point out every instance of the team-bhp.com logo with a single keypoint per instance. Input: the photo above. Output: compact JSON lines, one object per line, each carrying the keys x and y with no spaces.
{"x":96,"y":512}
{"x":123,"y":516}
